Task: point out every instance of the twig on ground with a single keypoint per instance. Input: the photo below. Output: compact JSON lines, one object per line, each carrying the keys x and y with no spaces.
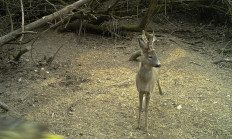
{"x":4,"y":106}
{"x":49,"y":61}
{"x":223,"y":60}
{"x":80,"y":29}
{"x":35,"y":39}
{"x":27,"y":32}
{"x":194,"y":63}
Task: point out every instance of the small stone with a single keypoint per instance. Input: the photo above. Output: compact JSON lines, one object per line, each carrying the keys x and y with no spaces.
{"x":20,"y":79}
{"x":179,"y":107}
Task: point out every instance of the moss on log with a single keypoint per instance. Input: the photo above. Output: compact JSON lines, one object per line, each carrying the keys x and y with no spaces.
{"x":133,"y":28}
{"x":95,"y":29}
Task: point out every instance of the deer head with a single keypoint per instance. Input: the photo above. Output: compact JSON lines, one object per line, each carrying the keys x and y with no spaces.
{"x":146,"y":42}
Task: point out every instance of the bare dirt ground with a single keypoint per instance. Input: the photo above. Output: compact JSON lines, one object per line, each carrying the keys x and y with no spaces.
{"x":89,"y":90}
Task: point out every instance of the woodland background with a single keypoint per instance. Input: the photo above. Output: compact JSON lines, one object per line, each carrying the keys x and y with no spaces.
{"x":71,"y":65}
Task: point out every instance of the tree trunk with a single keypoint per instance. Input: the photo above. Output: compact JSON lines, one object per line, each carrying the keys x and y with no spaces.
{"x":8,"y":37}
{"x":149,"y":13}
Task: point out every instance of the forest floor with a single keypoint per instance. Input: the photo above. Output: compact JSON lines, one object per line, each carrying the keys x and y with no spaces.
{"x":89,"y":89}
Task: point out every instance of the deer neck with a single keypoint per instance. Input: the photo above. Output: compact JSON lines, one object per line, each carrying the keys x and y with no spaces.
{"x":145,"y":71}
{"x":145,"y":67}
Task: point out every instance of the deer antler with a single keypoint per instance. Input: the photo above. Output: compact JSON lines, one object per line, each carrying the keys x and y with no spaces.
{"x":144,"y":36}
{"x":148,"y":45}
{"x":146,"y":40}
{"x":153,"y":38}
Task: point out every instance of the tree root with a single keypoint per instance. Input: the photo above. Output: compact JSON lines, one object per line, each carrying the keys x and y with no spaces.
{"x":19,"y":54}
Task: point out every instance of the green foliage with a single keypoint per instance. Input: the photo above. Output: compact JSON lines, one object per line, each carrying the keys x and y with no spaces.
{"x":20,"y":129}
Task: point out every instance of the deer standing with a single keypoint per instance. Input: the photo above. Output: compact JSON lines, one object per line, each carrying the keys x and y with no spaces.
{"x":147,"y":75}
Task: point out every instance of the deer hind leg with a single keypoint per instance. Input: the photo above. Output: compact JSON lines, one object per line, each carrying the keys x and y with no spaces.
{"x":140,"y":108}
{"x":146,"y":110}
{"x":160,"y":90}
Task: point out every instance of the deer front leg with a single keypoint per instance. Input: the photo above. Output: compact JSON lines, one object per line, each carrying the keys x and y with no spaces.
{"x":160,"y":90}
{"x":140,"y":108}
{"x":146,"y":110}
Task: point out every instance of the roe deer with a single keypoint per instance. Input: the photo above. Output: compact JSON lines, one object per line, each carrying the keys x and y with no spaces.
{"x":147,"y":75}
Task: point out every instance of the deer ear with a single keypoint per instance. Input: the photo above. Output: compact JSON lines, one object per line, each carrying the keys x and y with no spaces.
{"x":142,"y":45}
{"x":153,"y":37}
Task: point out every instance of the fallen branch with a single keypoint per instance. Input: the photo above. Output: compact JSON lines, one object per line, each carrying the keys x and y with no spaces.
{"x":50,"y":59}
{"x":12,"y":35}
{"x":28,"y":32}
{"x":223,"y":60}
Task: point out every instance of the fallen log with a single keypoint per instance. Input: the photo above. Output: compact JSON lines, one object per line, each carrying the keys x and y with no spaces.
{"x":12,"y":35}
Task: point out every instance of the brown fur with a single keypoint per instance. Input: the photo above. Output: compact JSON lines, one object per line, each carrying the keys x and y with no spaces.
{"x":147,"y":74}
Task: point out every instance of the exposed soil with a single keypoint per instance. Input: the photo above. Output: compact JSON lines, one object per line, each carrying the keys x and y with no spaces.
{"x":89,"y":90}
